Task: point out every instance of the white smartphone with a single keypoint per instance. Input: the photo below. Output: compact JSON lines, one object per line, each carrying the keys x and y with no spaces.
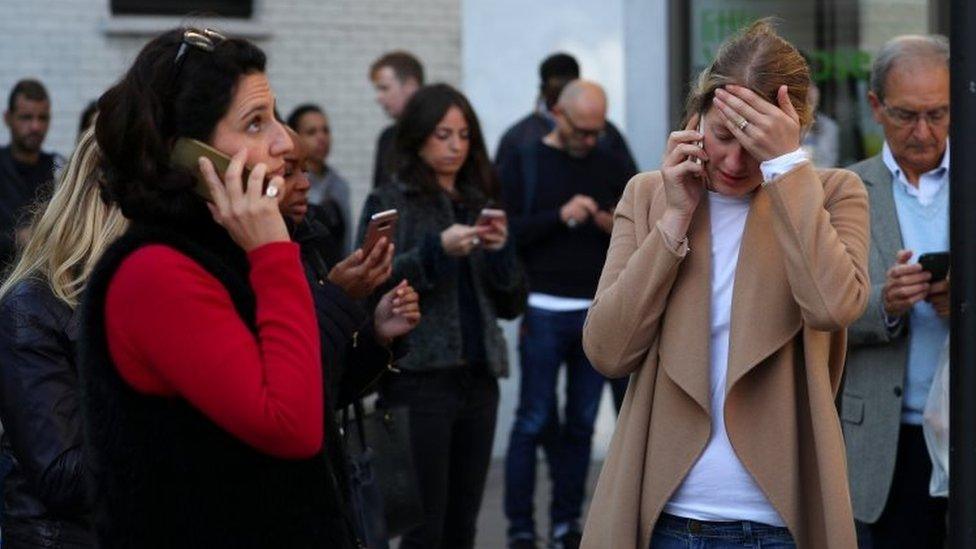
{"x":490,"y":214}
{"x":701,"y":144}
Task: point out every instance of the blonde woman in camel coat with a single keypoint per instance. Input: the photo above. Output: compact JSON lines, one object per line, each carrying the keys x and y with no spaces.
{"x":741,"y":445}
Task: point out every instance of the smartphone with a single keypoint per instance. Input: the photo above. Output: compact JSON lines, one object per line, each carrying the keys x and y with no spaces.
{"x":701,"y":144}
{"x":380,"y":224}
{"x":490,"y":214}
{"x":186,"y":153}
{"x":936,"y":263}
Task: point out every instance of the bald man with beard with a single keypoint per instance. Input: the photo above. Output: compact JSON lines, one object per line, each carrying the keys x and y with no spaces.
{"x":560,"y":193}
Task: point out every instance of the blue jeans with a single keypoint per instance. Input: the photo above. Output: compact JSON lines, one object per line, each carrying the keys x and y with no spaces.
{"x":548,"y":340}
{"x":673,"y":532}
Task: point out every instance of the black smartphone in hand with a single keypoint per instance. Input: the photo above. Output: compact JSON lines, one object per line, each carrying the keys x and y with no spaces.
{"x":936,"y":263}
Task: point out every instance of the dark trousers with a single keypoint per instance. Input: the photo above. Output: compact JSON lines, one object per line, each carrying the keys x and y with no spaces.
{"x":548,"y":340}
{"x":452,"y":428}
{"x":912,"y":518}
{"x":6,"y":465}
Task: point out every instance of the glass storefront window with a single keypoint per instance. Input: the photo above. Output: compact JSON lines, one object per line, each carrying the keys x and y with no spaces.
{"x":839,"y":38}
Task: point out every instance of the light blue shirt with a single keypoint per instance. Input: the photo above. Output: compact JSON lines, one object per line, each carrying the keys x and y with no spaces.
{"x":923,"y":215}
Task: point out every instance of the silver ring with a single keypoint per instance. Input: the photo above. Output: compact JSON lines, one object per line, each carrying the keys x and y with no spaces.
{"x":475,"y":241}
{"x":271,"y":192}
{"x":742,"y":125}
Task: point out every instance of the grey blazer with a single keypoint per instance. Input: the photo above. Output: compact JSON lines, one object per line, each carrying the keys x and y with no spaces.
{"x":870,"y":407}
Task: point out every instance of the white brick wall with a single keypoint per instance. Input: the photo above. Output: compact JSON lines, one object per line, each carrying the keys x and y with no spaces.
{"x":318,"y":50}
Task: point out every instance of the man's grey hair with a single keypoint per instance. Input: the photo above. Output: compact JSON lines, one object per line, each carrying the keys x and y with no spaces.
{"x":909,"y":46}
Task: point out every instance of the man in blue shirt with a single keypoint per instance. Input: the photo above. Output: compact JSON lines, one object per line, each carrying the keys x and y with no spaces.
{"x":894,"y":348}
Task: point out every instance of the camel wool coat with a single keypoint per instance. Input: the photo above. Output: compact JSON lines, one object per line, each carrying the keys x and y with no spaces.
{"x":801,"y":279}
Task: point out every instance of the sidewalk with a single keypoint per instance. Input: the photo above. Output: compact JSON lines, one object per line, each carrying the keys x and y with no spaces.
{"x":492,"y":525}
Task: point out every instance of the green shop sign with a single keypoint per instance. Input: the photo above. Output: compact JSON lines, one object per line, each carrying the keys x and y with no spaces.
{"x":715,"y":25}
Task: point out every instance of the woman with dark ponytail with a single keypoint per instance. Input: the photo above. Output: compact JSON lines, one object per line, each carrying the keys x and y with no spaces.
{"x":465,"y":269}
{"x":200,"y":355}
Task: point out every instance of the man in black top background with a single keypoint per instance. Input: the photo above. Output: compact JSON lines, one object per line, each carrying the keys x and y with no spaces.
{"x":555,"y":72}
{"x":24,"y":167}
{"x":396,"y":76}
{"x":560,"y":192}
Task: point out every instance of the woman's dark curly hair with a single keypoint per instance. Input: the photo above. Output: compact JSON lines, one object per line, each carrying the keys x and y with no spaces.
{"x":420,"y":117}
{"x":156,"y":101}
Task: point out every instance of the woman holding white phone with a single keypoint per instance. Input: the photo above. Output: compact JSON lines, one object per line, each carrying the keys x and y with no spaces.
{"x":467,"y":278}
{"x":732,"y":275}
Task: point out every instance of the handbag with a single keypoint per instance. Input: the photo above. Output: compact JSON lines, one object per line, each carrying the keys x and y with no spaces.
{"x":383,"y":481}
{"x":365,"y":497}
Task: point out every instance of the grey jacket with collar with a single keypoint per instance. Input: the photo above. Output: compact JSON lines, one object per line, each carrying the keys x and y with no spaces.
{"x":871,"y":402}
{"x":499,"y":282}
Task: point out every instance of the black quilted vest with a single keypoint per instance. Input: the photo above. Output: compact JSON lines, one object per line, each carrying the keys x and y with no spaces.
{"x":165,"y":475}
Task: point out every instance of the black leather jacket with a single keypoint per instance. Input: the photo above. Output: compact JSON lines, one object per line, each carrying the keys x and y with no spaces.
{"x":45,"y":495}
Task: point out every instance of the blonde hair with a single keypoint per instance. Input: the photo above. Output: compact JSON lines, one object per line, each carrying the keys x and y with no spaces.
{"x":761,"y":60}
{"x":70,"y":232}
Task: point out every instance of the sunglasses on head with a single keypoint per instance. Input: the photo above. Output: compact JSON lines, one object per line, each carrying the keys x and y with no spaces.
{"x":206,"y":40}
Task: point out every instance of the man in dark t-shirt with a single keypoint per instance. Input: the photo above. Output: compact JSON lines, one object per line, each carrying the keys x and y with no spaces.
{"x":560,"y":193}
{"x":555,"y":72}
{"x":24,"y":167}
{"x":396,"y":76}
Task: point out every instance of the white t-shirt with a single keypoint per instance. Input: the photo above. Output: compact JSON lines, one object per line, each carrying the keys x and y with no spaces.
{"x":718,"y":487}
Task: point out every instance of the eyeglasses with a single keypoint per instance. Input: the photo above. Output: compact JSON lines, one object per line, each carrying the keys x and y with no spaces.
{"x":583,"y":133}
{"x":905,"y":118}
{"x":206,"y":40}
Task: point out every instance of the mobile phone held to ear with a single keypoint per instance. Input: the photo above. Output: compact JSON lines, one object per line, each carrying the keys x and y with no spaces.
{"x":936,"y":263}
{"x":490,"y":214}
{"x":380,"y":224}
{"x":701,"y":143}
{"x":186,"y":153}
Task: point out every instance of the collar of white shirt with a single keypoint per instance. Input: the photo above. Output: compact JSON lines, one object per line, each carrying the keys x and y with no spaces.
{"x":542,"y":110}
{"x":929,"y":184}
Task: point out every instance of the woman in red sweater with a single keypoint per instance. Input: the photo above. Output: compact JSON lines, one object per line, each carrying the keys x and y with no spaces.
{"x":201,"y":361}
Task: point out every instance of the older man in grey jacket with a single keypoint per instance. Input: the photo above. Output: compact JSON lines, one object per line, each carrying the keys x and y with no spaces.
{"x":894,"y":347}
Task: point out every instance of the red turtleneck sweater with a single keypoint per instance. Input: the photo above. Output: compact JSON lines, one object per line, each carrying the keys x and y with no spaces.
{"x":173,"y":331}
